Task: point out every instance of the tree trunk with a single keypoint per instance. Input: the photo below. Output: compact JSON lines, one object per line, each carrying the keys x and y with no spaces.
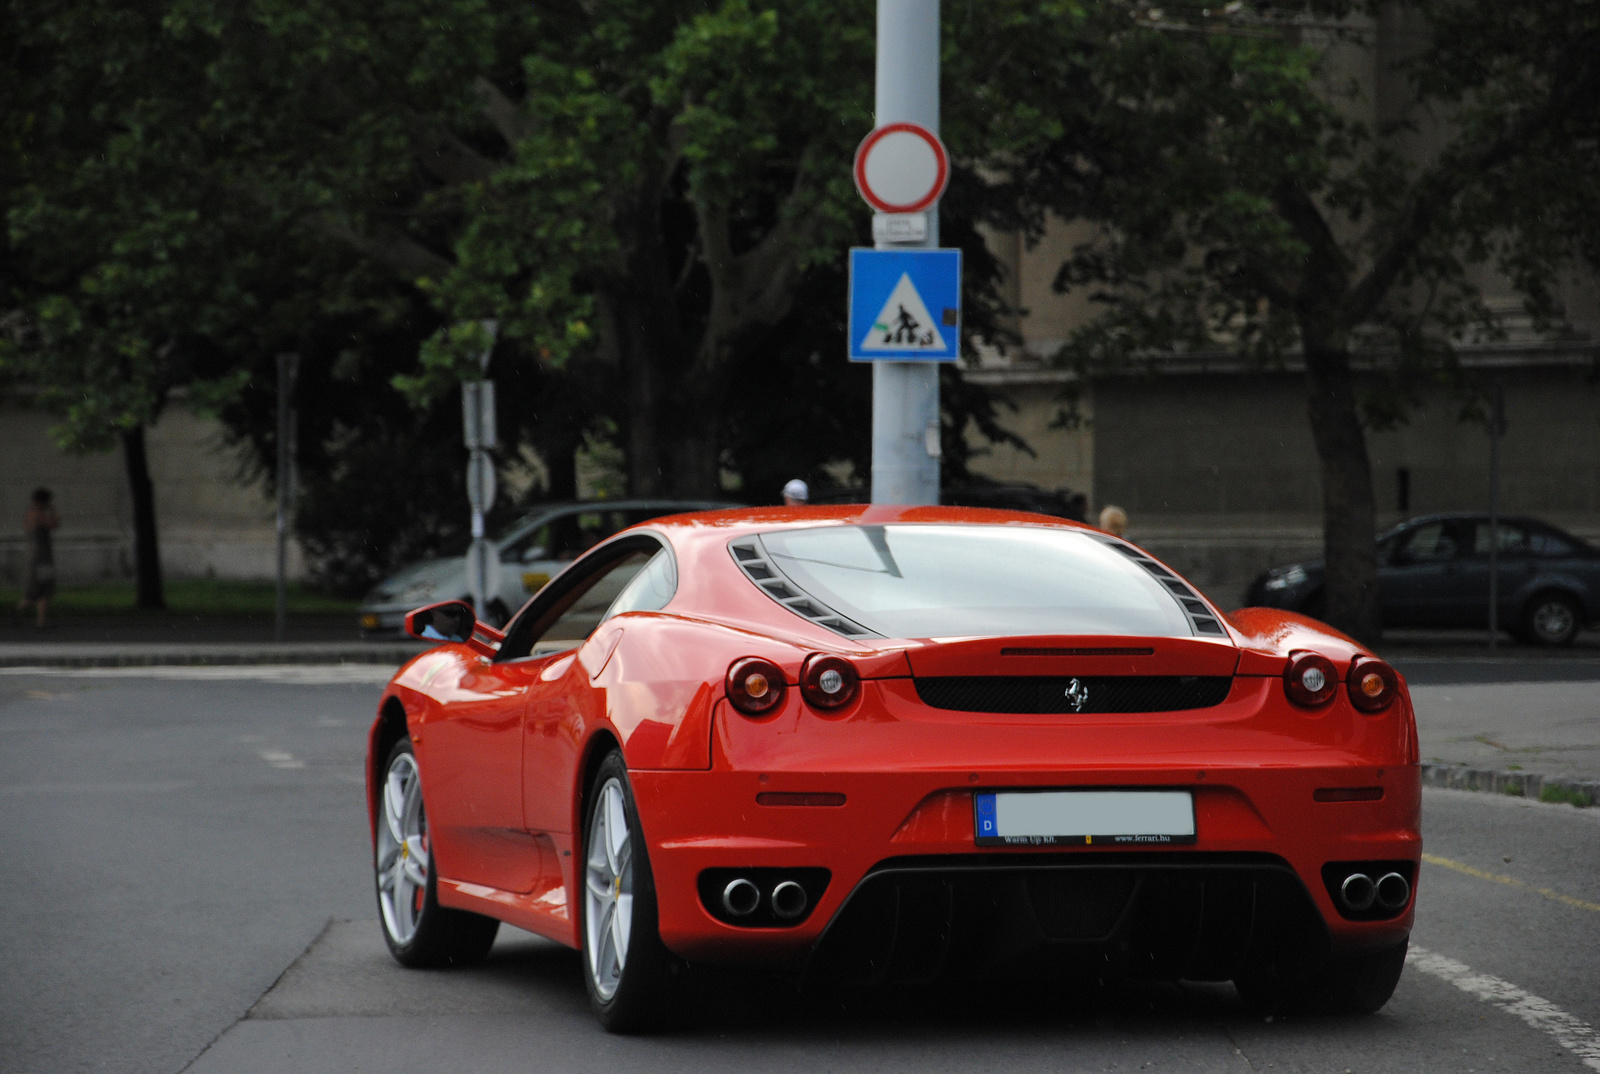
{"x":146,"y":547}
{"x":1349,"y":513}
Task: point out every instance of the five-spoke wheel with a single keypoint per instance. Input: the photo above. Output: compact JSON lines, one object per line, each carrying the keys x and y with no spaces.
{"x":625,"y":966}
{"x":417,"y":929}
{"x":402,"y":850}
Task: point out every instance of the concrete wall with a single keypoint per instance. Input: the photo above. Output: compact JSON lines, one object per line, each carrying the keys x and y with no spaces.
{"x":213,"y":521}
{"x":1219,"y":474}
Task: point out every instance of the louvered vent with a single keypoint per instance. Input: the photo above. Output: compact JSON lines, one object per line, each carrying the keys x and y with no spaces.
{"x":752,"y":559}
{"x":1204,"y":622}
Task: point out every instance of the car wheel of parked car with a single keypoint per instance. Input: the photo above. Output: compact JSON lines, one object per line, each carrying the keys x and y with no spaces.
{"x":626,"y":968}
{"x":1551,"y":619}
{"x":1358,"y":984}
{"x":420,"y":933}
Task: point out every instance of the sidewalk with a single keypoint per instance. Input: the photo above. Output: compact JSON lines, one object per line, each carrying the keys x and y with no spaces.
{"x":130,"y":641}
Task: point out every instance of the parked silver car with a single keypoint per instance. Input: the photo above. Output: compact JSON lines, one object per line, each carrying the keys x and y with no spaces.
{"x":528,"y":554}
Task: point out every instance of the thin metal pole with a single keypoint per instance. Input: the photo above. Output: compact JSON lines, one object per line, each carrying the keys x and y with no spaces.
{"x":287,"y":364}
{"x":905,"y":395}
{"x":1497,"y":421}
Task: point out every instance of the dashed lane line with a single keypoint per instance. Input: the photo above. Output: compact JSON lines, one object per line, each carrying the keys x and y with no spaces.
{"x":1571,"y":1033}
{"x":280,"y":758}
{"x":1511,"y":882}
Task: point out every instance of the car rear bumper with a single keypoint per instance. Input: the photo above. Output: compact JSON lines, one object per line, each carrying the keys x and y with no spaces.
{"x":1262,"y":841}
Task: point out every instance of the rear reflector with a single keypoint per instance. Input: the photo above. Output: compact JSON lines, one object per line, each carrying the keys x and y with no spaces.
{"x":1347,"y":794}
{"x":800,"y":798}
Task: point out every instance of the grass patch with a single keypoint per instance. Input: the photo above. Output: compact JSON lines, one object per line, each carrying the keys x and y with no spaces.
{"x":1557,"y":795}
{"x":187,"y":596}
{"x":1515,"y":790}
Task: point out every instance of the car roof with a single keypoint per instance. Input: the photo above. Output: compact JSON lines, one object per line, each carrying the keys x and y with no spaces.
{"x":727,"y":523}
{"x":556,"y":508}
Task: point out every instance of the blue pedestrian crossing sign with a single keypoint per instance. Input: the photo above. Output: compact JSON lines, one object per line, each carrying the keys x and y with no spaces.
{"x":905,"y":305}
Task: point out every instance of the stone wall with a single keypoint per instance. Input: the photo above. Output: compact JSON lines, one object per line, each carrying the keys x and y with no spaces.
{"x":214,"y":520}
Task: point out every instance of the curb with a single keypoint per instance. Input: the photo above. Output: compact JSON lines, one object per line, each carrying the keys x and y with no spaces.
{"x":391,"y":655}
{"x":1517,"y":784}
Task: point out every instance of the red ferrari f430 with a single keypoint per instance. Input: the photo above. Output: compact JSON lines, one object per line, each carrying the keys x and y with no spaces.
{"x":880,"y":743}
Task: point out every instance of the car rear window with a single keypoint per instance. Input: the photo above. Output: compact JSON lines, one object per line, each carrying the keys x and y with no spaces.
{"x":932,"y":581}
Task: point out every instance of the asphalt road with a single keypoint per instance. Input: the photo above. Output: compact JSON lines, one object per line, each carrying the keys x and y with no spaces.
{"x":187,"y":889}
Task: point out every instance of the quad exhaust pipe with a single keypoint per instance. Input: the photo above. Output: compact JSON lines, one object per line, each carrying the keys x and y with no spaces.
{"x":1360,"y":892}
{"x":741,"y":898}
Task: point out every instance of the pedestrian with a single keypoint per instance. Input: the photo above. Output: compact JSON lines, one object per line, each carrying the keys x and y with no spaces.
{"x":796,"y":493}
{"x":1114,"y":520}
{"x":39,"y":583}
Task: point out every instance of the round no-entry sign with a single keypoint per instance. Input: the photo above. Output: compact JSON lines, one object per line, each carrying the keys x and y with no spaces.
{"x":901,"y":168}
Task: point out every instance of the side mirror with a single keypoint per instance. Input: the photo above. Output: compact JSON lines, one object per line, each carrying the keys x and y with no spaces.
{"x":534,"y":554}
{"x":453,"y":620}
{"x":450,"y":621}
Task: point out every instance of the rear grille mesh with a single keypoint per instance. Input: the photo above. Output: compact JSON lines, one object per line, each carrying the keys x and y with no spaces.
{"x":1105,"y":693}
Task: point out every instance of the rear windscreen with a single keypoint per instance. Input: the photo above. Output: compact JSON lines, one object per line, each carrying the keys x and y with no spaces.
{"x":932,"y":581}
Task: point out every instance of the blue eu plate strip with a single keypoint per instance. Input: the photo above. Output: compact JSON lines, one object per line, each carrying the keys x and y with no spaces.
{"x":986,"y":817}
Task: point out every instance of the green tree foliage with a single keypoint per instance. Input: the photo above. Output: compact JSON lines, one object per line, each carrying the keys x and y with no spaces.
{"x":1243,"y":202}
{"x":638,"y":188}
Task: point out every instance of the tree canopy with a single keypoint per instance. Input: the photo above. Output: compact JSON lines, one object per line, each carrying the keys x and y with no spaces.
{"x":652,"y":199}
{"x":1246,"y":200}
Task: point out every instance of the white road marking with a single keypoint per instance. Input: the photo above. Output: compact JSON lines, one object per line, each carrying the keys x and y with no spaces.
{"x":1571,"y":1033}
{"x":288,"y":674}
{"x":280,"y":759}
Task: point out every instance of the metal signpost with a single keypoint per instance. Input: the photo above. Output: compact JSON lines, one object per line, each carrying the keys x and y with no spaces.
{"x":1497,"y":429}
{"x":480,"y":435}
{"x":901,"y":170}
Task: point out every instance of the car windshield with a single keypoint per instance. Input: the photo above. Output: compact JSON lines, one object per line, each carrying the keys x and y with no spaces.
{"x":931,"y":581}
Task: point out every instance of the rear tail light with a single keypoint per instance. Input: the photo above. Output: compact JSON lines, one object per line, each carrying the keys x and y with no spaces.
{"x":1371,"y":683}
{"x":1310,"y":679}
{"x":755,"y":686}
{"x":829,"y":682}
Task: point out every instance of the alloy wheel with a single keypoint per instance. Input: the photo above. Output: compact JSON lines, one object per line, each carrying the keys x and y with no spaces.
{"x":1553,"y":621}
{"x":402,"y":860}
{"x":608,"y":890}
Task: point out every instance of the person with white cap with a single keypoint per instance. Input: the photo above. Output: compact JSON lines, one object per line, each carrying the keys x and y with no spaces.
{"x":796,"y":493}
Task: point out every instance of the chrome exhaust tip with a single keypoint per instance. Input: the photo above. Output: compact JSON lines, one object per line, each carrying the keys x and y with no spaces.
{"x":789,"y":900}
{"x":1393,"y":891}
{"x":1359,"y":892}
{"x":741,"y":897}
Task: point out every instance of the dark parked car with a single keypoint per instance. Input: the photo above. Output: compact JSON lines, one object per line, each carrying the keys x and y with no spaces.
{"x":1434,"y":572}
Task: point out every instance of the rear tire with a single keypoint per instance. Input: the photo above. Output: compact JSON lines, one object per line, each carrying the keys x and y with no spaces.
{"x":626,"y":969}
{"x":420,"y":933}
{"x":1358,"y":984}
{"x":1551,"y":619}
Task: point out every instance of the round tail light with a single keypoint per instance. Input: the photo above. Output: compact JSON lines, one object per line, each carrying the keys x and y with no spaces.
{"x":1371,"y":683}
{"x":755,"y":686}
{"x":1310,"y":679}
{"x":829,"y":682}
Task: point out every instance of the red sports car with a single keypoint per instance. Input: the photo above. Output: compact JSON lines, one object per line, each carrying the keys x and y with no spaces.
{"x":882,"y":743}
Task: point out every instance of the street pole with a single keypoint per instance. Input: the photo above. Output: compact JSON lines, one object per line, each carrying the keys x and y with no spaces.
{"x":905,"y":395}
{"x":288,"y":366}
{"x":1497,"y":428}
{"x":479,"y":432}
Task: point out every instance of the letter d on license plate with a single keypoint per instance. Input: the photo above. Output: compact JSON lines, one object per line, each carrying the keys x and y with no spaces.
{"x":1121,"y":818}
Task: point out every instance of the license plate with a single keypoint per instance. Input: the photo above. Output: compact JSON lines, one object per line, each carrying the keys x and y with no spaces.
{"x":1083,"y":818}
